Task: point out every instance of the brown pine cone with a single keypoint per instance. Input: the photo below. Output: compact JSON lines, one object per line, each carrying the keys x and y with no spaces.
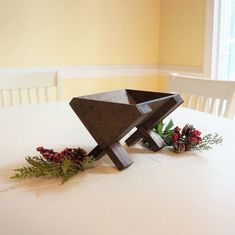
{"x":77,"y":154}
{"x":187,"y":130}
{"x":179,"y":146}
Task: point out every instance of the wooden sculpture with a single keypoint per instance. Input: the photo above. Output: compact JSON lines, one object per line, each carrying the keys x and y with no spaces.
{"x":111,"y":115}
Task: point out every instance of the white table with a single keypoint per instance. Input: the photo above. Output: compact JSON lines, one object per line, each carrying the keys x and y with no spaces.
{"x":161,"y":193}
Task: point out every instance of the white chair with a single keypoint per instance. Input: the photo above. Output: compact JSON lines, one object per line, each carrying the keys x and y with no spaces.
{"x":212,"y":96}
{"x":26,"y":88}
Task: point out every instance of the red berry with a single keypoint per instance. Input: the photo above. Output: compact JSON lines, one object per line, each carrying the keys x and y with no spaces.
{"x":175,"y":137}
{"x":177,"y":129}
{"x":40,"y":149}
{"x":196,"y":133}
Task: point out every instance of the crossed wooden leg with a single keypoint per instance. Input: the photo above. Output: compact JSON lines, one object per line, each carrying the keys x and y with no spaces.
{"x":117,"y":154}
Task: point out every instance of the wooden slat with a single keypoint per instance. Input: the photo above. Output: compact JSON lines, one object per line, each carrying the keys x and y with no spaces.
{"x":20,"y":96}
{"x":194,"y":102}
{"x":229,"y":104}
{"x":220,"y":109}
{"x":212,"y":105}
{"x":46,"y":94}
{"x":190,"y":101}
{"x":230,"y":107}
{"x":187,"y":100}
{"x":13,"y":97}
{"x":58,"y":89}
{"x":197,"y":102}
{"x":208,"y":104}
{"x":29,"y":95}
{"x":204,"y":103}
{"x":10,"y":97}
{"x":38,"y":95}
{"x":4,"y":98}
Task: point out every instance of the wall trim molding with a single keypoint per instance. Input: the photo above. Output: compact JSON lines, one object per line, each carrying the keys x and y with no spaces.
{"x":166,"y":70}
{"x":109,"y":71}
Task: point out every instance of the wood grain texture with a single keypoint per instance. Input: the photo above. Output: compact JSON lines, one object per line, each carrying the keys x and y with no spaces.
{"x":111,"y":115}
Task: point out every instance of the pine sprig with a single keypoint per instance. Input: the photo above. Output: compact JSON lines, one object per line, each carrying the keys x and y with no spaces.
{"x":64,"y":169}
{"x":186,"y":139}
{"x":207,"y":142}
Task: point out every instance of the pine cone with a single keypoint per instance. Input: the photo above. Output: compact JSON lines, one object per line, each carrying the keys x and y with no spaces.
{"x":77,"y":154}
{"x":187,"y":130}
{"x":179,"y":146}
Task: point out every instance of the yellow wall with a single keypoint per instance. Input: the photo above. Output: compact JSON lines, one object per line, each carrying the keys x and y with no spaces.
{"x":77,"y":87}
{"x":37,"y":33}
{"x":76,"y":32}
{"x":182,"y":32}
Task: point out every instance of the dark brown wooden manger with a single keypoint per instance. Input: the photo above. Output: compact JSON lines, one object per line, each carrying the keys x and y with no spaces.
{"x":111,"y":115}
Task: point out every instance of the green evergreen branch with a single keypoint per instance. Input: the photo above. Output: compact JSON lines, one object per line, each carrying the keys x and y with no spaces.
{"x":40,"y":167}
{"x":166,"y":131}
{"x":207,"y":141}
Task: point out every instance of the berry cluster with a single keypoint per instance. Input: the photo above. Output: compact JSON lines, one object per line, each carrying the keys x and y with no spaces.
{"x":74,"y":154}
{"x":185,"y":139}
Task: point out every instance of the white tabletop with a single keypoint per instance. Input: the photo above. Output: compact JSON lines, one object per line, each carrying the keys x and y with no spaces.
{"x":161,"y":193}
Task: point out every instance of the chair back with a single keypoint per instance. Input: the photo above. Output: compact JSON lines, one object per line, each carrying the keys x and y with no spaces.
{"x":26,"y":88}
{"x":212,"y":96}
